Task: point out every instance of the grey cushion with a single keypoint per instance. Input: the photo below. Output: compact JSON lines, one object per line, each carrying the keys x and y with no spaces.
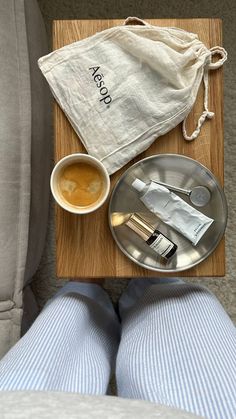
{"x":24,"y":143}
{"x":41,"y":138}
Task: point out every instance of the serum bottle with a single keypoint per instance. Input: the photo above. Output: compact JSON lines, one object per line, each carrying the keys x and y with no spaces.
{"x":153,"y":237}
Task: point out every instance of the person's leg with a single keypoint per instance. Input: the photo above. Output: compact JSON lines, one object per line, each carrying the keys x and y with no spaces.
{"x":70,"y":347}
{"x":177,"y":348}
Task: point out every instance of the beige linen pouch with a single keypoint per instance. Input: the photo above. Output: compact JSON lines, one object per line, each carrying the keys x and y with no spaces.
{"x":125,"y":86}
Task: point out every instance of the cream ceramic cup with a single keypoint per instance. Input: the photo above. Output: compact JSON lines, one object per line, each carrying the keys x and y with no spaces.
{"x":56,"y":173}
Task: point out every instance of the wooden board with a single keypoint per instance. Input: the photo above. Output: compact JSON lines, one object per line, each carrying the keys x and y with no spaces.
{"x":85,"y":247}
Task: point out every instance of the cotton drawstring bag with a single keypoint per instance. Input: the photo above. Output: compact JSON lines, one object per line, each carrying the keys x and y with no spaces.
{"x":125,"y":86}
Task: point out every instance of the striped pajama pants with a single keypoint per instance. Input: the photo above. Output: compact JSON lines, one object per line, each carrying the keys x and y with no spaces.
{"x":174,"y":345}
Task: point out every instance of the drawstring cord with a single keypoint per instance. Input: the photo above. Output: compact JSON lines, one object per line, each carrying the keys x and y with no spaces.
{"x":206,"y":113}
{"x":211,"y":66}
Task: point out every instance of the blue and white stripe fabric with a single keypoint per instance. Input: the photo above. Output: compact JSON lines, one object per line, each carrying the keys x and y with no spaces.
{"x":70,"y":347}
{"x":177,"y":347}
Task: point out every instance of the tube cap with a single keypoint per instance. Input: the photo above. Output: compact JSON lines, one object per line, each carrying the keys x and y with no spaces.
{"x":138,"y":184}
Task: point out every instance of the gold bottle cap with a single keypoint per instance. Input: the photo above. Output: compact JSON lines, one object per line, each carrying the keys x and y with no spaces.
{"x":140,"y":226}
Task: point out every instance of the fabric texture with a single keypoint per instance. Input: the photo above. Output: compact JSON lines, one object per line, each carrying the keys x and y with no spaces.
{"x":129,"y":84}
{"x":70,"y":347}
{"x":51,"y":405}
{"x":177,"y":347}
{"x":41,"y":139}
{"x":24,"y":197}
{"x":15,"y":166}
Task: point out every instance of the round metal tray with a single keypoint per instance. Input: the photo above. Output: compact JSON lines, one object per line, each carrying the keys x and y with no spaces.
{"x":175,"y":170}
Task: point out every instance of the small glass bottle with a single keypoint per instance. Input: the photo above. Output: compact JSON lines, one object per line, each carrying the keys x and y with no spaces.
{"x":153,"y":237}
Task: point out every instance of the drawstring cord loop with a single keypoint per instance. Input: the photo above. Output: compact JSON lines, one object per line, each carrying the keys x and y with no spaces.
{"x":206,"y":113}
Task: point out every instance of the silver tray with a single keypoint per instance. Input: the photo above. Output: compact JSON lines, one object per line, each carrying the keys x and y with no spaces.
{"x":175,"y":170}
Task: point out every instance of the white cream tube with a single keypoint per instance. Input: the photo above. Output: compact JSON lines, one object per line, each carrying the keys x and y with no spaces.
{"x":173,"y":210}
